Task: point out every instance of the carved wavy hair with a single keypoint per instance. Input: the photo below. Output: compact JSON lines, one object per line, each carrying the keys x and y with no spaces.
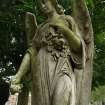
{"x":57,"y":6}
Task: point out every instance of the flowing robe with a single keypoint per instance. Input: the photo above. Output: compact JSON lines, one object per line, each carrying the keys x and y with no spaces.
{"x":52,"y":69}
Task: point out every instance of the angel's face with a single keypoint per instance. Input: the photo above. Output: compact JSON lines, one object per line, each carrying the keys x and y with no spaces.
{"x":47,"y":7}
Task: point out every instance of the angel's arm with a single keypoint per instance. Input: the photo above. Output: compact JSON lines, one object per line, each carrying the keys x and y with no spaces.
{"x":16,"y":81}
{"x":23,"y":70}
{"x":73,"y":40}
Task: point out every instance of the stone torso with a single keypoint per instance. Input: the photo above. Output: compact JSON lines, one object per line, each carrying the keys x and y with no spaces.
{"x":54,"y":60}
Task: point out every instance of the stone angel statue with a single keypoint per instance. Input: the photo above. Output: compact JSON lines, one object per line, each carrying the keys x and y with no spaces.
{"x":56,"y":58}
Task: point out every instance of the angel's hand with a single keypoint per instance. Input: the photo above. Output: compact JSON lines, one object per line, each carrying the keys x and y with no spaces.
{"x":61,"y":27}
{"x":58,"y":26}
{"x":15,"y":85}
{"x":16,"y":88}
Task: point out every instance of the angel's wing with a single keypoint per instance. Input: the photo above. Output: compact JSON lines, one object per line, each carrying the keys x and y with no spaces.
{"x":84,"y":77}
{"x":30,"y":26}
{"x":82,"y":18}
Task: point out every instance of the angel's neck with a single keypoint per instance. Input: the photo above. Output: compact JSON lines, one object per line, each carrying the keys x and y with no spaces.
{"x":53,"y":15}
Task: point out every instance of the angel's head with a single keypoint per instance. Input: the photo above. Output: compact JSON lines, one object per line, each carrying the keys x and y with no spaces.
{"x":50,"y":6}
{"x":47,"y":6}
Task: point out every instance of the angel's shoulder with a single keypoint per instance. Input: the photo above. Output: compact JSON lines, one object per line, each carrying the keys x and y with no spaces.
{"x":70,"y":19}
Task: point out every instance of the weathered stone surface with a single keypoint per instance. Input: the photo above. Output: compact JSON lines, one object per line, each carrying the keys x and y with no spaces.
{"x":57,"y":60}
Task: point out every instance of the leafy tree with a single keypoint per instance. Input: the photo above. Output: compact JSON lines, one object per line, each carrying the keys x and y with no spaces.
{"x":98,"y":18}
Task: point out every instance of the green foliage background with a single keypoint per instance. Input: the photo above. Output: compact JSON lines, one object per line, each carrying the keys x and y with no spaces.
{"x":13,"y":39}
